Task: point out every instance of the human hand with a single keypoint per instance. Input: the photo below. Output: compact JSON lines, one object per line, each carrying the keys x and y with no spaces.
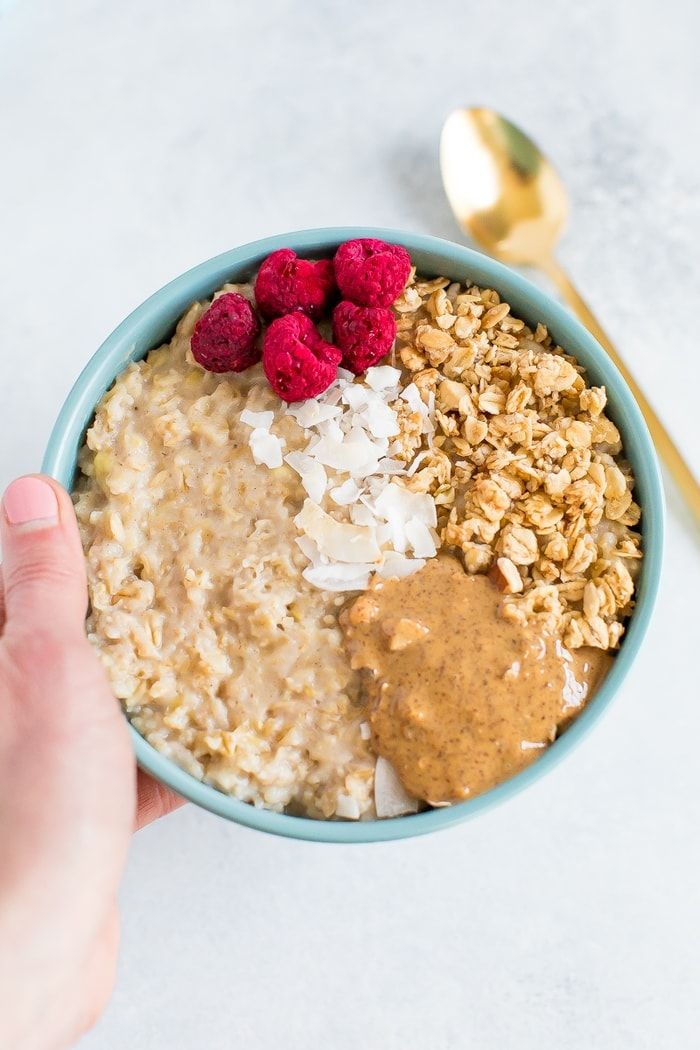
{"x":69,"y":790}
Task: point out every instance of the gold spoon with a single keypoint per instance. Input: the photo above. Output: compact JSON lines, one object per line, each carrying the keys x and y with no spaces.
{"x":508,"y":197}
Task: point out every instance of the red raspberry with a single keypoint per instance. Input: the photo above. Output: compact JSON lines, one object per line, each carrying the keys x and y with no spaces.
{"x":286,"y":284}
{"x":365,"y":334}
{"x":371,"y":272}
{"x":225,"y":336}
{"x":297,"y":361}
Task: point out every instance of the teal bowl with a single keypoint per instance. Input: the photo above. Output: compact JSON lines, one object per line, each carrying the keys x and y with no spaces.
{"x":153,"y":322}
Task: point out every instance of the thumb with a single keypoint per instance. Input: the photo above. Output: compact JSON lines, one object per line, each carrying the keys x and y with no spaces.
{"x":43,"y":566}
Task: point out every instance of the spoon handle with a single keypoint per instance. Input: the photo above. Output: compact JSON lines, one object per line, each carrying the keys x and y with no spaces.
{"x":677,"y":466}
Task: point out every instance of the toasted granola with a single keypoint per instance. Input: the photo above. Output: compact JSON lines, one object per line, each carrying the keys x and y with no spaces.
{"x":525,"y":468}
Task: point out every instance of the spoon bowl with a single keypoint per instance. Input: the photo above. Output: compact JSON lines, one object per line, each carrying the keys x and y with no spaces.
{"x":512,"y":202}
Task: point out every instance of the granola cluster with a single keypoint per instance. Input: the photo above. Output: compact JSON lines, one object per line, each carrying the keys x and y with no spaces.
{"x":524,"y":467}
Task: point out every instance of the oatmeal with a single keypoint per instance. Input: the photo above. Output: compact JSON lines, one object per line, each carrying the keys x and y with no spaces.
{"x":224,"y":657}
{"x":227,"y":532}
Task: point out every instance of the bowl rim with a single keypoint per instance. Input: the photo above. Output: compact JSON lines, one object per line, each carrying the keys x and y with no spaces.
{"x":120,"y":347}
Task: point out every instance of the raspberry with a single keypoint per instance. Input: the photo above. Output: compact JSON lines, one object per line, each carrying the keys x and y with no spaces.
{"x":225,"y":336}
{"x":286,"y":284}
{"x":365,"y":334}
{"x":297,"y":361}
{"x":371,"y":272}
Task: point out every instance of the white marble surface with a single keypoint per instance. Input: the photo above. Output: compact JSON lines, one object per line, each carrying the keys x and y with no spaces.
{"x":139,"y":138}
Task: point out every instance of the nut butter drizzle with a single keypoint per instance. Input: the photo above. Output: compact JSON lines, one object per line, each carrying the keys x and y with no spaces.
{"x":460,"y":698}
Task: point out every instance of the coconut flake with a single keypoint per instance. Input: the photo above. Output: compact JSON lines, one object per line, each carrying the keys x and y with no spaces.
{"x":312,"y":412}
{"x":357,"y":396}
{"x":312,"y":474}
{"x":391,"y":466}
{"x":375,"y":485}
{"x":381,"y":420}
{"x":332,"y":395}
{"x":390,"y":796}
{"x":309,"y":548}
{"x":397,"y":566}
{"x":339,"y":576}
{"x":258,"y":420}
{"x":420,"y":539}
{"x":347,"y":493}
{"x":362,"y":515}
{"x":371,"y":411}
{"x":411,"y":395}
{"x":383,"y":377}
{"x":397,"y":507}
{"x":354,"y":454}
{"x":266,"y":448}
{"x":417,"y":462}
{"x":338,"y":541}
{"x":330,"y":429}
{"x":396,"y":501}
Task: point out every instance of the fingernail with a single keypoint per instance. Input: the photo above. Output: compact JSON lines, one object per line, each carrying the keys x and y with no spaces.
{"x":30,"y":500}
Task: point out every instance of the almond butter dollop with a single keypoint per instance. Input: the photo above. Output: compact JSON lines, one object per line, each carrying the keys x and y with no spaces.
{"x":459,"y":698}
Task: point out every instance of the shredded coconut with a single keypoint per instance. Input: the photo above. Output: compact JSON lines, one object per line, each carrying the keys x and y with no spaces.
{"x":266,"y":447}
{"x":357,"y":519}
{"x":312,"y":473}
{"x":259,"y":420}
{"x":390,"y":796}
{"x":340,"y":542}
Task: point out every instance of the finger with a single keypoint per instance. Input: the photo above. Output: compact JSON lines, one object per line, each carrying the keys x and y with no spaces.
{"x":43,"y":566}
{"x":154,"y":800}
{"x":2,"y":602}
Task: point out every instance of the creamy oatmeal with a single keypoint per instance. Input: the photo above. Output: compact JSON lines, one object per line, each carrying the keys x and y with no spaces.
{"x":225,"y":658}
{"x":228,"y":536}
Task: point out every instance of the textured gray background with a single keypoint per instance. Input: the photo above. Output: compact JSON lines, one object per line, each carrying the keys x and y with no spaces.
{"x":141,"y":137}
